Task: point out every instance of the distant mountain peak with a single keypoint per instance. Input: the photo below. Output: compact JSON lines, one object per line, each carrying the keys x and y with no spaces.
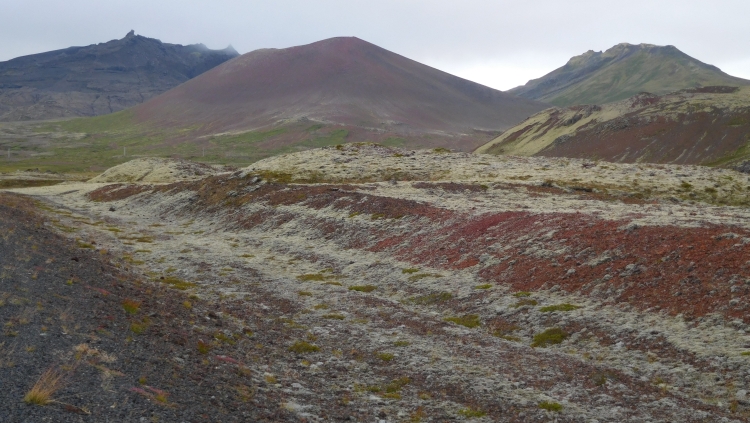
{"x":622,"y":71}
{"x":100,"y":78}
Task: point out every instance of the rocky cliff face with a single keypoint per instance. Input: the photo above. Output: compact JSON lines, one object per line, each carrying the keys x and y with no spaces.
{"x":100,"y":78}
{"x":623,"y":71}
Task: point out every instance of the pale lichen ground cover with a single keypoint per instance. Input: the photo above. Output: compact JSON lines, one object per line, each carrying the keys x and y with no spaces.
{"x":621,"y":363}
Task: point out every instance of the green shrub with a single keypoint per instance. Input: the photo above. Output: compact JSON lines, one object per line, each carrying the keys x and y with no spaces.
{"x":559,"y":307}
{"x":549,"y":337}
{"x":469,"y":320}
{"x":525,"y":302}
{"x":471,"y":413}
{"x":318,"y":277}
{"x":550,"y":406}
{"x":363,"y":288}
{"x":385,"y":356}
{"x":301,"y":347}
{"x":438,"y":297}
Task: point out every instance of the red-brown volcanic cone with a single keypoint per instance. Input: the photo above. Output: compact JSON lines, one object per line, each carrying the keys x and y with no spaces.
{"x":339,"y":80}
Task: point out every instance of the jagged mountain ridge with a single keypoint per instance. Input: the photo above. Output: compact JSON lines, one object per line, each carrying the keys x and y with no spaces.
{"x":100,"y":78}
{"x":621,"y":72}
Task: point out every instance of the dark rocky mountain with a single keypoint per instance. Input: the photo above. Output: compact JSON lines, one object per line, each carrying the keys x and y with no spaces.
{"x":100,"y":78}
{"x":621,"y":72}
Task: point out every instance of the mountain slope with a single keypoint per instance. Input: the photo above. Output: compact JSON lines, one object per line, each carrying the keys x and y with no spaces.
{"x":621,"y":72}
{"x":99,"y":79}
{"x":710,"y":125}
{"x":341,"y":81}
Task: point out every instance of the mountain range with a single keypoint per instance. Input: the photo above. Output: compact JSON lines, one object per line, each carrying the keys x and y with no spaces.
{"x":621,"y":72}
{"x":100,"y":78}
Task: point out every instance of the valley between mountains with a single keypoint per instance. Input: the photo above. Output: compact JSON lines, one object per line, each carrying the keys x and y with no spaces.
{"x":370,"y":283}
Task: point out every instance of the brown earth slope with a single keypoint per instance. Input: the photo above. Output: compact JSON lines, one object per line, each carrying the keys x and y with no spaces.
{"x":709,"y":126}
{"x":100,"y":78}
{"x":429,"y":286}
{"x":371,"y":92}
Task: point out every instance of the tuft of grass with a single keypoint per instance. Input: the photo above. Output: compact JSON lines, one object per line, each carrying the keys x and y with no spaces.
{"x":471,"y":413}
{"x":485,"y":286}
{"x":333,"y":316}
{"x":745,"y":353}
{"x":131,"y":306}
{"x":549,"y":337}
{"x":318,"y":277}
{"x":409,"y":270}
{"x":401,"y":343}
{"x":438,"y":297}
{"x":525,"y":302}
{"x":139,"y":327}
{"x":203,"y":347}
{"x":177,"y":283}
{"x":48,"y":383}
{"x":363,"y":288}
{"x":305,"y":293}
{"x":559,"y":307}
{"x":301,"y":347}
{"x":469,"y":320}
{"x":520,"y":294}
{"x":550,"y":406}
{"x":321,"y":307}
{"x":440,"y":150}
{"x":385,"y":356}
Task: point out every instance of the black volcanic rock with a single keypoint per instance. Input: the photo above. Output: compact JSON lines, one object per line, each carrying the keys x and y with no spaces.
{"x":99,"y":79}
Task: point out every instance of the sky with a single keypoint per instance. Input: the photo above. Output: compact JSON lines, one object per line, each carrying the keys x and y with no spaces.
{"x":498,"y":43}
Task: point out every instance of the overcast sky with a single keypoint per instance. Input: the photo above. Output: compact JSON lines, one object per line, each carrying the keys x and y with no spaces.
{"x":495,"y":42}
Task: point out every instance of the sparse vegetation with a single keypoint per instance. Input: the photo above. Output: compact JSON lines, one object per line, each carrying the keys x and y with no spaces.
{"x":559,"y":307}
{"x":471,"y":413}
{"x":485,"y":286}
{"x":363,"y":288}
{"x":409,"y":270}
{"x":303,"y":347}
{"x":550,"y":406}
{"x":48,"y":383}
{"x":525,"y":302}
{"x":177,"y":283}
{"x":385,"y":356}
{"x":468,"y":320}
{"x":131,"y":306}
{"x":549,"y":337}
{"x":434,"y":298}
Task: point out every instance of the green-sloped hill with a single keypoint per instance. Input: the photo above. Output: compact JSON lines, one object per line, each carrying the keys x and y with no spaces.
{"x":621,"y":72}
{"x":706,"y":126}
